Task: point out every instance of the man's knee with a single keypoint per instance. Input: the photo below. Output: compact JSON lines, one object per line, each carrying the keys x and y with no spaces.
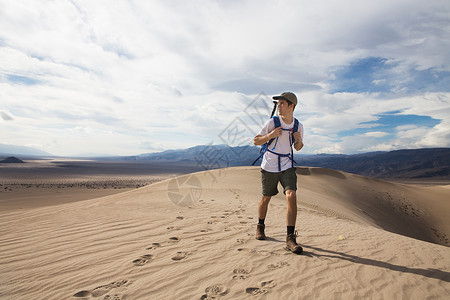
{"x":266,"y":199}
{"x":291,"y":194}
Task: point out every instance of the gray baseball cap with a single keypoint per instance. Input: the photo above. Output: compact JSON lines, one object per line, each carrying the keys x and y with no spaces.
{"x":288,"y":96}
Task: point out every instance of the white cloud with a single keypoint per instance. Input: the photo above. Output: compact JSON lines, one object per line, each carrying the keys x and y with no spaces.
{"x":85,"y":130}
{"x":176,"y":73}
{"x":376,"y":134}
{"x":332,"y":122}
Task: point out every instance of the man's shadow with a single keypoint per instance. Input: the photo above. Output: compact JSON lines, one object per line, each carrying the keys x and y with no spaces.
{"x":274,"y":240}
{"x":430,"y":273}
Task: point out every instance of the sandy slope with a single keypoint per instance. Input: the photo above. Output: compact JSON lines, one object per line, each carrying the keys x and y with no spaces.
{"x":140,"y":245}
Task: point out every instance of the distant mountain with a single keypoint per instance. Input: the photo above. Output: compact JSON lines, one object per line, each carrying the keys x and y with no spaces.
{"x":11,"y":160}
{"x":210,"y":156}
{"x":11,"y":150}
{"x":414,"y":163}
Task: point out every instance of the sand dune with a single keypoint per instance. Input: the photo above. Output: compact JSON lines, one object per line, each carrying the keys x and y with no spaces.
{"x":193,"y":238}
{"x":419,"y":212}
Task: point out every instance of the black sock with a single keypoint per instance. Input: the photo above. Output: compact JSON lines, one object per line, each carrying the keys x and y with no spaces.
{"x":290,"y":230}
{"x":261,"y":221}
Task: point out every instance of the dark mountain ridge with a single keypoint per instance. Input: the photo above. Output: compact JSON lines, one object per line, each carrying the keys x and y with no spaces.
{"x":11,"y":160}
{"x":409,"y":163}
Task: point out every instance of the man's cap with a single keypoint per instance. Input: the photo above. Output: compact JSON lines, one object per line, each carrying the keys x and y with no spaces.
{"x":288,"y":96}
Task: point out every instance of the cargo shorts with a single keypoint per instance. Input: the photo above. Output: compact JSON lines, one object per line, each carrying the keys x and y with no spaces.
{"x":269,"y":180}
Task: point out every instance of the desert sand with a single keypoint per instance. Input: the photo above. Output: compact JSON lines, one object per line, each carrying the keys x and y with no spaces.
{"x":192,"y":237}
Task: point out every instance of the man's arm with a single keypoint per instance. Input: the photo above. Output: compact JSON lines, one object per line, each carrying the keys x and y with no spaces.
{"x":298,"y":144}
{"x":262,"y":139}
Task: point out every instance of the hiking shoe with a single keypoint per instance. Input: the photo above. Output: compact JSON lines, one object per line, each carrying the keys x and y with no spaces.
{"x":291,"y":244}
{"x":260,"y":232}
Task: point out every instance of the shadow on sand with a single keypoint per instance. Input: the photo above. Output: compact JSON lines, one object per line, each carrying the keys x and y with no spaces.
{"x":306,"y":171}
{"x":430,"y":273}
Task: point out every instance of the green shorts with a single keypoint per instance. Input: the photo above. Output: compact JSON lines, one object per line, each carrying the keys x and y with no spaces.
{"x":287,"y":178}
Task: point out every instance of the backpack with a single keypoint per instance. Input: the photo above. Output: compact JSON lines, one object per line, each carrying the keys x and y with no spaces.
{"x":265,"y":147}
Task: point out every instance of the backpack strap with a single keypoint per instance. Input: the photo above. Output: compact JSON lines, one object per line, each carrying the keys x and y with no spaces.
{"x":276,"y":120}
{"x":294,"y":129}
{"x":265,"y":147}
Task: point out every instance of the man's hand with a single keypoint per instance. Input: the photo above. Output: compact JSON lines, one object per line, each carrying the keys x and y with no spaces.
{"x":276,"y":133}
{"x":261,"y":140}
{"x":298,"y":144}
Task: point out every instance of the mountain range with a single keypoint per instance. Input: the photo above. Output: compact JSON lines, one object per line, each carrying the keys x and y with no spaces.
{"x":409,"y":163}
{"x":13,"y":150}
{"x":404,"y":164}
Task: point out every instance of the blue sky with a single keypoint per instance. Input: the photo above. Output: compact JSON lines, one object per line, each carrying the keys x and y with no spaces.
{"x":130,"y":77}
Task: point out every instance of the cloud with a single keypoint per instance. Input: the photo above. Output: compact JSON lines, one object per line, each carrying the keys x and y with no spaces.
{"x":84,"y":130}
{"x":376,"y":134}
{"x":151,"y":146}
{"x":175,"y":74}
{"x":351,"y":123}
{"x":380,"y":75}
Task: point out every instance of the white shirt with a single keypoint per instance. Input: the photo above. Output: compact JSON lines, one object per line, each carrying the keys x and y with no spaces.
{"x":270,"y":160}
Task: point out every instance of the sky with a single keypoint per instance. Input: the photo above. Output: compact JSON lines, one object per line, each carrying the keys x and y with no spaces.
{"x":114,"y":77}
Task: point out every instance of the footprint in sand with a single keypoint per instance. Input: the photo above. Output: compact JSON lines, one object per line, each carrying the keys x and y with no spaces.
{"x":269,"y":284}
{"x":214,"y":291}
{"x":265,"y":288}
{"x":101,"y":290}
{"x":180,"y":255}
{"x":239,"y":277}
{"x":172,"y":240}
{"x":153,"y":246}
{"x":278,"y":265}
{"x":173,"y":228}
{"x":142,"y":260}
{"x":256,"y":291}
{"x":113,"y":297}
{"x":240,"y":274}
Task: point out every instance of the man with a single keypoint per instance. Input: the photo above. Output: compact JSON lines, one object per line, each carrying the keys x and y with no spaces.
{"x":277,"y":166}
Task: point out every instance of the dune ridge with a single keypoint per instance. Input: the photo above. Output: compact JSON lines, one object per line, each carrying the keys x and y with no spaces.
{"x":139,"y":244}
{"x":418,"y":212}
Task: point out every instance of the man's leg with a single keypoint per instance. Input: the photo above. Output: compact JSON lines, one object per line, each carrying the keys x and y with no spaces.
{"x":291,"y":218}
{"x":291,"y":214}
{"x":263,"y":206}
{"x":269,"y":187}
{"x":262,"y":213}
{"x":289,"y":182}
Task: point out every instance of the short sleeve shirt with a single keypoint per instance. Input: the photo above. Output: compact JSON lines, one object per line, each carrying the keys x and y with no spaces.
{"x":282,"y":146}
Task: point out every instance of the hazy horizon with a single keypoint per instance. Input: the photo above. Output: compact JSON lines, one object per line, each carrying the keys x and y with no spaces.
{"x":31,"y":152}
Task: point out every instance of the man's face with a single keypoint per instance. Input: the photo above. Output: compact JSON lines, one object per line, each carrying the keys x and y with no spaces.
{"x":284,"y":108}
